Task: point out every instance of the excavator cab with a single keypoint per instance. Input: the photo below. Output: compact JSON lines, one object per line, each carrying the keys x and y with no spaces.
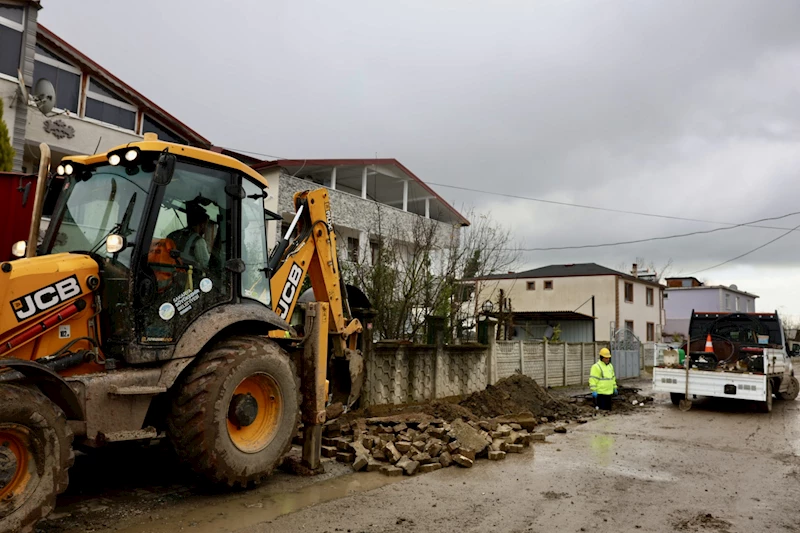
{"x":152,"y":308}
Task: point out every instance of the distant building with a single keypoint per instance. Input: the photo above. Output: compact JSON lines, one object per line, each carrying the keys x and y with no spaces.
{"x":684,"y":295}
{"x":585,"y":300}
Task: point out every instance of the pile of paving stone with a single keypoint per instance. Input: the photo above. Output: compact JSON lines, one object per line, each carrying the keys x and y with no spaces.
{"x":398,"y":445}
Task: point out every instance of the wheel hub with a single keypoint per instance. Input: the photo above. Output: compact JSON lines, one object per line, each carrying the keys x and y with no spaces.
{"x":8,"y":465}
{"x":243,"y":410}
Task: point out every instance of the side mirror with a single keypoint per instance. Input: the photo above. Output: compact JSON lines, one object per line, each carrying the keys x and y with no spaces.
{"x":164,"y":169}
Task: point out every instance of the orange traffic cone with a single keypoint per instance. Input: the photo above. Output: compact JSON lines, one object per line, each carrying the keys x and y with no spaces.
{"x":709,"y":344}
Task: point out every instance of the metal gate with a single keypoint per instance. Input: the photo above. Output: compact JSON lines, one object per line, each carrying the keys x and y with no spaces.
{"x":625,"y":351}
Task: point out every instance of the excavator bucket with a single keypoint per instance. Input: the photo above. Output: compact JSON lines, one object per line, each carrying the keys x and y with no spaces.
{"x":346,"y":370}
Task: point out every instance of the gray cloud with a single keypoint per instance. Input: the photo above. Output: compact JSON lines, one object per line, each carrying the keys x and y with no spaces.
{"x":684,"y":108}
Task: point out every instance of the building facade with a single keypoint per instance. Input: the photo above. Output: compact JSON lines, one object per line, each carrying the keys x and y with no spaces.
{"x":585,"y":301}
{"x":371,"y":199}
{"x":684,"y":295}
{"x":93,"y":109}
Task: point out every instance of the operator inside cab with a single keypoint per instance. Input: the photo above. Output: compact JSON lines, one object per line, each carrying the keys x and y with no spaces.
{"x":191,"y":240}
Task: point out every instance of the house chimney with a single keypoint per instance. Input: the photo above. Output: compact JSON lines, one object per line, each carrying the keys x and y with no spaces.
{"x":635,"y":270}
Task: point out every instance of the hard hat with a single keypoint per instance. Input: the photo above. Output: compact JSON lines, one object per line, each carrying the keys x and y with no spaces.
{"x":604,"y":352}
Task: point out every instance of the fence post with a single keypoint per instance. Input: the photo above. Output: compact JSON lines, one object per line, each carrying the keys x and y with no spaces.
{"x":492,"y":363}
{"x":583,"y":347}
{"x":521,"y":358}
{"x":545,"y":363}
{"x":566,"y":351}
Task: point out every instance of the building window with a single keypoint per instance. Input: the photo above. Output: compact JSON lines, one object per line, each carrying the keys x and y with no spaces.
{"x":747,"y":306}
{"x":737,"y":303}
{"x":12,"y":24}
{"x":651,"y":332}
{"x":548,"y":285}
{"x":352,"y":249}
{"x":629,"y":325}
{"x":629,"y":292}
{"x":727,"y":301}
{"x":649,"y":297}
{"x":532,"y":286}
{"x":106,"y":106}
{"x":65,"y":78}
{"x":375,"y":251}
{"x":151,"y":126}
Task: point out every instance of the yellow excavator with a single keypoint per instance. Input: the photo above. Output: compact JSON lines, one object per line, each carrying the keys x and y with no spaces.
{"x":152,"y":308}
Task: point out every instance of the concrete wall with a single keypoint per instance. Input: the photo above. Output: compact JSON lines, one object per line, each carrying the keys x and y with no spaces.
{"x":398,"y":373}
{"x":553,"y":364}
{"x":638,"y":311}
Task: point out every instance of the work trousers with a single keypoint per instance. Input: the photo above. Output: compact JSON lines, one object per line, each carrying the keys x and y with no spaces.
{"x":604,"y":402}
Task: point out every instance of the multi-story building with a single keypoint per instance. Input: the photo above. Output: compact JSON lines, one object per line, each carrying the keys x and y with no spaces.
{"x":370,"y":199}
{"x":684,"y":295}
{"x":586,"y":301}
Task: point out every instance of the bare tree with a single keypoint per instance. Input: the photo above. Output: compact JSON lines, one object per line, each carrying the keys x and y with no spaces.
{"x":419,"y":271}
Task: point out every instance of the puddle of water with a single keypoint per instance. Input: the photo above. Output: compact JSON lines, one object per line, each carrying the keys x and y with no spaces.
{"x":252,"y":508}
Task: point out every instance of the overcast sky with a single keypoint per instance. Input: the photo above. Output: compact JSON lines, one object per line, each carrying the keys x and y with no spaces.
{"x":682,"y":108}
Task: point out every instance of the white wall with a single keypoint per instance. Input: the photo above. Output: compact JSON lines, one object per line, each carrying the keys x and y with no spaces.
{"x":7,"y":91}
{"x":89,"y":138}
{"x":638,"y":311}
{"x":567,"y":294}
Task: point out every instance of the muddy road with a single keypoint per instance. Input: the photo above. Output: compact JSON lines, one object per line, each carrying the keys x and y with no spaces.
{"x":720,"y":467}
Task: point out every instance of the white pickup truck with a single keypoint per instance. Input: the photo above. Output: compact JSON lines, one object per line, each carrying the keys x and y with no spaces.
{"x":746,"y":359}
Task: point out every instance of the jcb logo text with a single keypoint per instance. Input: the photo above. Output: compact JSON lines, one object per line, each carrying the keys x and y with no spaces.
{"x":289,"y":290}
{"x":45,"y":298}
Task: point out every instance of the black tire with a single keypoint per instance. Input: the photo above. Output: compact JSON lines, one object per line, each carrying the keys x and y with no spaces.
{"x":676,"y":398}
{"x":766,"y":406}
{"x":198,"y":422}
{"x":793,"y":390}
{"x":27,"y":414}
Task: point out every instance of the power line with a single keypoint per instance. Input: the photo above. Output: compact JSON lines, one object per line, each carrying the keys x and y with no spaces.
{"x":568,"y":204}
{"x":747,"y":253}
{"x":637,"y":241}
{"x":608,"y":209}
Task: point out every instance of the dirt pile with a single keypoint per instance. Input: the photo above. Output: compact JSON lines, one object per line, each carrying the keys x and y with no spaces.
{"x":703,"y":522}
{"x":516,"y":394}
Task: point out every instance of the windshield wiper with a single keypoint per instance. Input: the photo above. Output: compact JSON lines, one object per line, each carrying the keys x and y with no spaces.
{"x":122,"y":228}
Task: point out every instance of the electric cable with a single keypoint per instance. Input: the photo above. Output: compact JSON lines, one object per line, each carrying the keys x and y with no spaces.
{"x":749,"y":252}
{"x":649,"y":239}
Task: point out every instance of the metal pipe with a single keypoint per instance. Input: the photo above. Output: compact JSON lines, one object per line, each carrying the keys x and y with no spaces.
{"x":38,"y":204}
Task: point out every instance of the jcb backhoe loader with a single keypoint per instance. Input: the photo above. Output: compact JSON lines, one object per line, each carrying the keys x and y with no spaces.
{"x":152,"y":308}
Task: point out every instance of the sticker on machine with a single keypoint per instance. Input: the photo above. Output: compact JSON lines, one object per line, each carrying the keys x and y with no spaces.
{"x":206,"y":285}
{"x":166,"y":311}
{"x":64,"y":332}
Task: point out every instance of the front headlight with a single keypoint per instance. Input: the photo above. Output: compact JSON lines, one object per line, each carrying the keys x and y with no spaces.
{"x":19,"y":248}
{"x":115,"y":243}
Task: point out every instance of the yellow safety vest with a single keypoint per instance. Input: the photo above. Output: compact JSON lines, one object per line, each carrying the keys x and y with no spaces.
{"x":602,"y":379}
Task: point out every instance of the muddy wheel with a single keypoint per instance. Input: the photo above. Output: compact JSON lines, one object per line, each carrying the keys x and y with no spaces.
{"x":35,"y":454}
{"x":676,"y":398}
{"x":766,"y":407}
{"x":793,"y":390}
{"x":234,"y":414}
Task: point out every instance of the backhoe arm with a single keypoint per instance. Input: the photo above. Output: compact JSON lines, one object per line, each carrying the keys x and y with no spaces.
{"x":313,"y":253}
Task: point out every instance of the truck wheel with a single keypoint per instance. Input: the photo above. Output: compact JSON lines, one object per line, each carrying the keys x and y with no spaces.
{"x":676,"y":398}
{"x":766,"y":407}
{"x":793,"y":390}
{"x":35,"y":454}
{"x":235,"y":413}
